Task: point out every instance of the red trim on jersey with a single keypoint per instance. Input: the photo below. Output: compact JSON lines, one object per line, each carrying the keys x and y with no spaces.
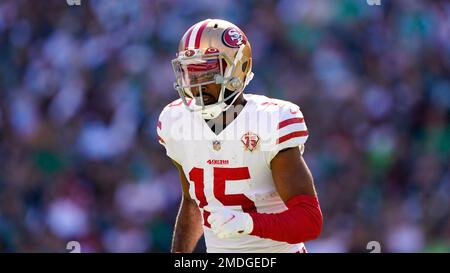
{"x":301,"y":222}
{"x":199,"y":34}
{"x":269,"y":103}
{"x":159,"y":125}
{"x":292,"y":135}
{"x":188,"y":36}
{"x":161,"y":140}
{"x":290,"y":121}
{"x":175,"y":103}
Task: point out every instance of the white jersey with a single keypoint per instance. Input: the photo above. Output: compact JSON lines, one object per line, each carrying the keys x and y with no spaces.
{"x":232,"y":168}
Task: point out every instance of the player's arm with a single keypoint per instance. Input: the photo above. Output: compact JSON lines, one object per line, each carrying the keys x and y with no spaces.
{"x":291,"y":175}
{"x":302,"y":221}
{"x":188,"y":226}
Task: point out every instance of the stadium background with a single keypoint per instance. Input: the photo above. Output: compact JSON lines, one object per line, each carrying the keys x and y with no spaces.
{"x":82,"y":86}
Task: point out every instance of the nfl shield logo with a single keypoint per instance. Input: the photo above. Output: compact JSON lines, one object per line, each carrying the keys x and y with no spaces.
{"x":216,"y":145}
{"x":250,"y":141}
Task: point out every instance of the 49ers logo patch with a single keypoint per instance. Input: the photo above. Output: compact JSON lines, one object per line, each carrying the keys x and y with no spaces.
{"x":250,"y":141}
{"x":233,"y":37}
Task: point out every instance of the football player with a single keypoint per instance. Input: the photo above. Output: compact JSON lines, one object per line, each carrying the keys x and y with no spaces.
{"x":246,"y":186}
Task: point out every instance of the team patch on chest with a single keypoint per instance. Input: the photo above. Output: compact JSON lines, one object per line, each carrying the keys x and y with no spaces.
{"x":250,"y":141}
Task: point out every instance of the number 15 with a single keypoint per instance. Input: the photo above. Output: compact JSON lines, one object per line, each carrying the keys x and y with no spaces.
{"x":221,"y":175}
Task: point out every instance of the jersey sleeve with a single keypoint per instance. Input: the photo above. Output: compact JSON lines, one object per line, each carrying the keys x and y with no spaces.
{"x":289,"y":130}
{"x":163,"y":130}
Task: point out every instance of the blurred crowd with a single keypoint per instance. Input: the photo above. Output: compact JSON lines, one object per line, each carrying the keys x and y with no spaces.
{"x":81,"y":88}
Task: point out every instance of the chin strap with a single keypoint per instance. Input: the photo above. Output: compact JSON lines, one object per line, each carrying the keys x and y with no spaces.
{"x":213,"y":111}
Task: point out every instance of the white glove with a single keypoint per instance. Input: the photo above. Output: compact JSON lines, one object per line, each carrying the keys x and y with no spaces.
{"x":226,"y":223}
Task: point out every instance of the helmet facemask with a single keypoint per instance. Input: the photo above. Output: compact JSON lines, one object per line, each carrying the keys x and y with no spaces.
{"x":196,"y":68}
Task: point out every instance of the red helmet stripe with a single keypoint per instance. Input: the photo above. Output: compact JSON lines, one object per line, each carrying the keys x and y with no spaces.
{"x":188,"y":36}
{"x":193,"y":35}
{"x":199,"y":33}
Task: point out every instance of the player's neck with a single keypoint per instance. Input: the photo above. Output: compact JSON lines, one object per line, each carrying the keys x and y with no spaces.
{"x":220,"y":123}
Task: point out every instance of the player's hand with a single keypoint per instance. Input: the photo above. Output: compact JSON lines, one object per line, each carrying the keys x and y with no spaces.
{"x":226,"y":223}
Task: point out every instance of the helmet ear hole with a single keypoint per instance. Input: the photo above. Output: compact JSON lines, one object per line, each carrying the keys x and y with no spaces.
{"x":224,"y":66}
{"x":244,"y":66}
{"x":247,"y":66}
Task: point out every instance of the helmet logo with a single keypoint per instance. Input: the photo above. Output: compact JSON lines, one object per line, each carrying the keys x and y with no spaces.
{"x":211,"y":50}
{"x":233,"y":37}
{"x":189,"y":53}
